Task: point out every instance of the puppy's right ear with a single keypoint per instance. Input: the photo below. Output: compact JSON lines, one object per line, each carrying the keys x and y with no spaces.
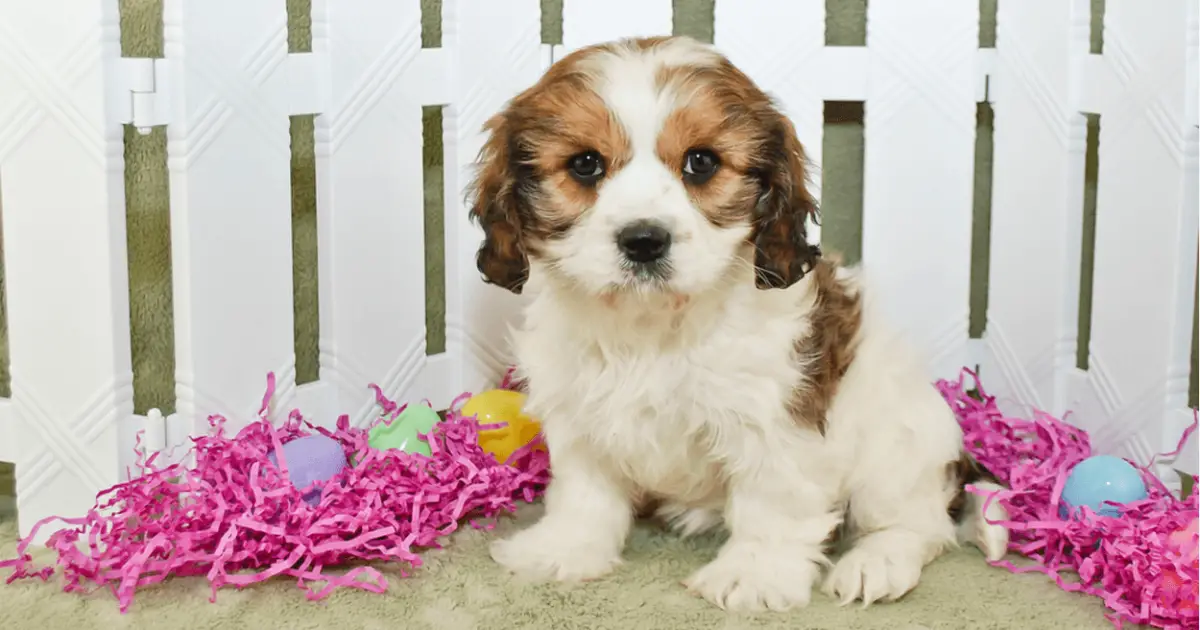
{"x":493,"y":198}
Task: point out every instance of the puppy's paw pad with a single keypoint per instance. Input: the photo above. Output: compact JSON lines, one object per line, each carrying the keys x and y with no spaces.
{"x":871,"y":575}
{"x":547,"y":559}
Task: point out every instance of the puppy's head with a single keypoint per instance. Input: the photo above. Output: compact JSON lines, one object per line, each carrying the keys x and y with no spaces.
{"x":643,"y":165}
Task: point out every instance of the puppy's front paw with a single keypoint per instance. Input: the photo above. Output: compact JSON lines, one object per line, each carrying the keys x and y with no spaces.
{"x":755,"y":577}
{"x":538,"y":554}
{"x":872,"y":572}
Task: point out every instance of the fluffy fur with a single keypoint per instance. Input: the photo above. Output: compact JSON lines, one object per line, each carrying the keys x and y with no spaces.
{"x":716,"y":371}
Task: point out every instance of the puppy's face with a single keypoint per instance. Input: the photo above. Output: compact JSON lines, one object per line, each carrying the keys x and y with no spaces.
{"x":643,"y":165}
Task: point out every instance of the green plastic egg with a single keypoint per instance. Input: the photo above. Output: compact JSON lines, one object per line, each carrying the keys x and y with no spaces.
{"x":402,"y":432}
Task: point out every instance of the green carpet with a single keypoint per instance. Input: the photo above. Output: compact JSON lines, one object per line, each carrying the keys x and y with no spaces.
{"x":460,"y":588}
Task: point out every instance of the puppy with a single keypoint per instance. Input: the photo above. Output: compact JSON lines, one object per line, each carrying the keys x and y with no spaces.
{"x":690,"y":352}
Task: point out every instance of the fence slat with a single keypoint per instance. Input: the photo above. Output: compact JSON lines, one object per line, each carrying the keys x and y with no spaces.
{"x":1146,"y":226}
{"x":1037,"y":201}
{"x":499,"y":53}
{"x":61,"y":168}
{"x":228,"y":162}
{"x":586,"y":22}
{"x":919,"y":137}
{"x":370,"y":201}
{"x":781,"y":47}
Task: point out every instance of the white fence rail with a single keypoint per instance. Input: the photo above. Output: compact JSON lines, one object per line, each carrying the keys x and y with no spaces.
{"x":227,"y":85}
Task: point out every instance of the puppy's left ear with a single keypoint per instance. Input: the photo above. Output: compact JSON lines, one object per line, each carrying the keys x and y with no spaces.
{"x":782,"y":253}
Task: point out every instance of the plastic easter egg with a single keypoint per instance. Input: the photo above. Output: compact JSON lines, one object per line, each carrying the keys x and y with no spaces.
{"x":494,"y":405}
{"x":402,"y":432}
{"x":502,"y":443}
{"x":501,"y":406}
{"x":1185,"y":592}
{"x":1184,"y":541}
{"x":1102,"y":478}
{"x":310,"y":459}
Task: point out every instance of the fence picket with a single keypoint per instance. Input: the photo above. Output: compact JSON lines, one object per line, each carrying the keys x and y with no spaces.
{"x":919,"y":138}
{"x":498,"y":54}
{"x":61,"y":167}
{"x":228,"y":163}
{"x":1146,"y":226}
{"x":1037,"y":204}
{"x":370,"y":201}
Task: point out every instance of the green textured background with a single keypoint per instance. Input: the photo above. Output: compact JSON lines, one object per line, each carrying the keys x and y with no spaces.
{"x":148,"y":214}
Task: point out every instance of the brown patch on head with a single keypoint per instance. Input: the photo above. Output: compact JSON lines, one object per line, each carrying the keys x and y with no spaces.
{"x":762,"y":178}
{"x":829,"y":348}
{"x":717,"y":112}
{"x":644,"y":43}
{"x":961,"y":473}
{"x":523,"y":194}
{"x":564,"y":116}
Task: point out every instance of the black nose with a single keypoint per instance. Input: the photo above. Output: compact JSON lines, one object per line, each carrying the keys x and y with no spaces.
{"x":644,"y":241}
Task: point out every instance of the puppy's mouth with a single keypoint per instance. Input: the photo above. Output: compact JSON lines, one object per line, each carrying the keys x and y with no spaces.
{"x":647,"y":286}
{"x":653,"y":274}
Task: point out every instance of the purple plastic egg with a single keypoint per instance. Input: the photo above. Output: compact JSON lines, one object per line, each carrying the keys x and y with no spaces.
{"x":313,"y":458}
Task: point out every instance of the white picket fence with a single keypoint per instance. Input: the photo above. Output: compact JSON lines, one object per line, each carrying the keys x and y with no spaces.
{"x":227,"y":85}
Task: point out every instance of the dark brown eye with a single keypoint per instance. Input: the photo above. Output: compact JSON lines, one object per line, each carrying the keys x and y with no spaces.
{"x":587,"y":167}
{"x":699,"y":165}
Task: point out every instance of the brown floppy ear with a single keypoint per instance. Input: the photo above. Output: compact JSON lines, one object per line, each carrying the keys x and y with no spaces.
{"x":782,"y":253}
{"x":494,"y":202}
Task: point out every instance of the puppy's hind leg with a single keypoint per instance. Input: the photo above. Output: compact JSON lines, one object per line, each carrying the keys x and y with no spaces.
{"x":897,"y":531}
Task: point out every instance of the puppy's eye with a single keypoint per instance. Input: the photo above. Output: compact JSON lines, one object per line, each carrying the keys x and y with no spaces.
{"x":699,"y":165}
{"x":586,"y":167}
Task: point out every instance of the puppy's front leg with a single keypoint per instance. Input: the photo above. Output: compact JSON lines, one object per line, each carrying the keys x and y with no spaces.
{"x":779,"y":514}
{"x":582,"y":533}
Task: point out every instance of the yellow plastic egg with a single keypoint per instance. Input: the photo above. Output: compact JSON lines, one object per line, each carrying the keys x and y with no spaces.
{"x":502,"y":406}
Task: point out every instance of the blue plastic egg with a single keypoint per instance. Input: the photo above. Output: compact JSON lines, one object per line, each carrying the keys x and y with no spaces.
{"x":1098,"y":479}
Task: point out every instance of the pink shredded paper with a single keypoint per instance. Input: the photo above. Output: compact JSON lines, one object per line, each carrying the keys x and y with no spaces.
{"x":1126,"y":561}
{"x":237,"y":519}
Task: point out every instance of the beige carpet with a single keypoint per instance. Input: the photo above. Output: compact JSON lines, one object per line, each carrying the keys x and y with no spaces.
{"x":460,"y":588}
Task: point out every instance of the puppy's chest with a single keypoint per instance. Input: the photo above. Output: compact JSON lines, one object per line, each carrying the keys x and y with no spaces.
{"x":665,"y":451}
{"x":662,"y":418}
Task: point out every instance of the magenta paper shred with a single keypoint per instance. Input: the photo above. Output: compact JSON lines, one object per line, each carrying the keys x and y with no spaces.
{"x":1130,"y":562}
{"x":235,"y":519}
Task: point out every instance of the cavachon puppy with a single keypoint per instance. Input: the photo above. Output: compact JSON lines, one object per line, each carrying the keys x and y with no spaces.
{"x":691,"y":355}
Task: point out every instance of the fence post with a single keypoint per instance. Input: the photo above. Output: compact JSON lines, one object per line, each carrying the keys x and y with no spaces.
{"x":62,"y":186}
{"x":228,"y":161}
{"x":370,"y":199}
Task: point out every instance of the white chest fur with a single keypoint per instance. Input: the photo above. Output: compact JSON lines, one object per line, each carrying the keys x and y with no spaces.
{"x":657,"y":390}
